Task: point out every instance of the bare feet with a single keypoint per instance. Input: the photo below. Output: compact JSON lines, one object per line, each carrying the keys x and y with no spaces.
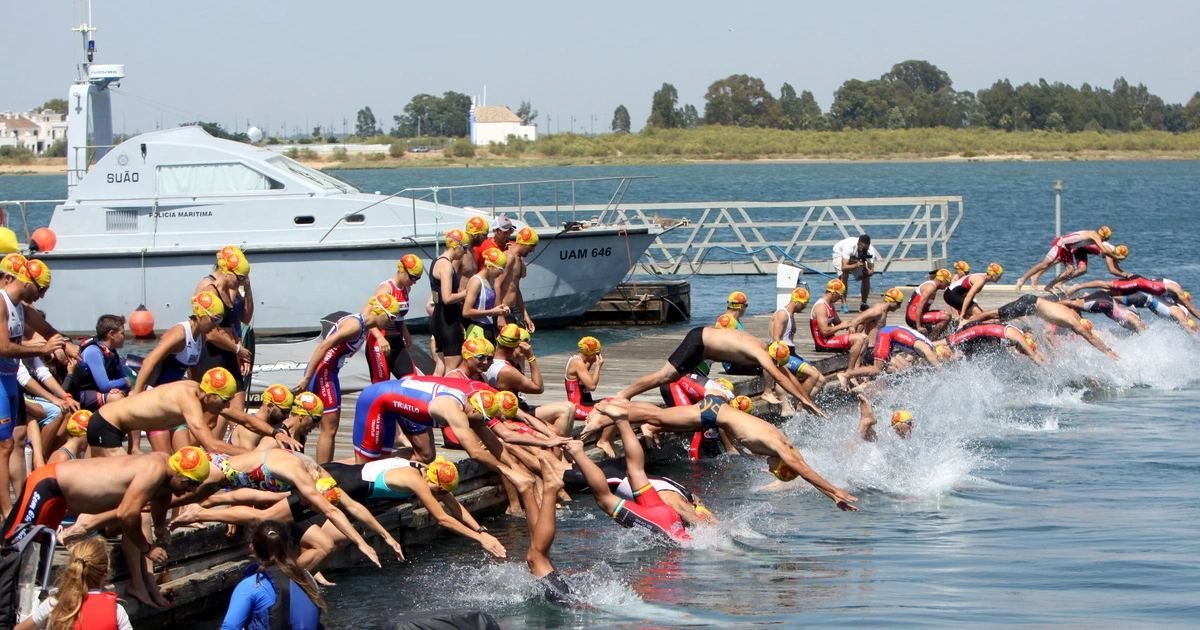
{"x":844,"y":380}
{"x":187,"y":515}
{"x":770,"y":397}
{"x":614,"y":411}
{"x":321,"y":581}
{"x":142,"y":597}
{"x":607,"y":447}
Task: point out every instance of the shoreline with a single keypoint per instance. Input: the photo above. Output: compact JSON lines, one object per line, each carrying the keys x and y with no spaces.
{"x":57,"y":166}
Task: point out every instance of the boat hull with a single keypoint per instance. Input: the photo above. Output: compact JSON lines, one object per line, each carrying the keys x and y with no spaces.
{"x":295,"y":286}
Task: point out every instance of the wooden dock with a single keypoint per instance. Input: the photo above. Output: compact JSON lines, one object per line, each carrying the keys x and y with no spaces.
{"x":205,"y":564}
{"x":650,"y":302}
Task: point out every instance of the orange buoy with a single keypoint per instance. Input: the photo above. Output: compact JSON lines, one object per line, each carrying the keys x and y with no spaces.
{"x":141,"y":322}
{"x":44,"y":239}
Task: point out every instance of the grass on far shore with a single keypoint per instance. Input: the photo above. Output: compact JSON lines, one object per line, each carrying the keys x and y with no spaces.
{"x":673,"y":146}
{"x":715,"y":143}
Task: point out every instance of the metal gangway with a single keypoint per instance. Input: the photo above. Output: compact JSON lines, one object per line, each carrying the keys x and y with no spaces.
{"x":753,"y":237}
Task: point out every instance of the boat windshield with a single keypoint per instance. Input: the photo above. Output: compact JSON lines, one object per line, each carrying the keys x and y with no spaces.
{"x":310,"y":174}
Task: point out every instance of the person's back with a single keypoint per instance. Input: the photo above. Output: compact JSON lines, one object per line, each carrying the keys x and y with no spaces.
{"x":270,"y":597}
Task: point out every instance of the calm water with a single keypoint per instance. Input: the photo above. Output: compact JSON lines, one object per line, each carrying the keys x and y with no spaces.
{"x":1021,"y":498}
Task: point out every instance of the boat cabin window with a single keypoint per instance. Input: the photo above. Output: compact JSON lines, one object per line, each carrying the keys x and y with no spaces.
{"x":310,"y":175}
{"x":196,"y":179}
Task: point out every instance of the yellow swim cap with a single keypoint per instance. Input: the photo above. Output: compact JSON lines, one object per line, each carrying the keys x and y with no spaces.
{"x":207,"y":304}
{"x":477,"y":225}
{"x":1086,"y":323}
{"x":1122,"y":251}
{"x":385,"y":303}
{"x":443,"y":473}
{"x":477,"y":347}
{"x":726,"y":321}
{"x":995,"y":269}
{"x":836,"y":286}
{"x":943,"y":275}
{"x":737,"y":299}
{"x":493,"y":257}
{"x":1029,"y":339}
{"x":782,"y":471}
{"x":780,"y":352}
{"x":589,"y":346}
{"x":743,"y":403}
{"x":800,"y":294}
{"x":327,"y":486}
{"x":8,"y":240}
{"x":219,"y":381}
{"x":77,"y":424}
{"x":38,"y":273}
{"x":725,"y":383}
{"x":411,"y":264}
{"x":509,"y":336}
{"x":894,"y":295}
{"x":901,"y":417}
{"x":308,"y":404}
{"x":944,"y":352}
{"x":1105,"y":232}
{"x":14,"y":265}
{"x":526,"y":236}
{"x":962,"y":267}
{"x":279,"y":396}
{"x":456,"y":238}
{"x":1191,"y":323}
{"x":509,"y":404}
{"x":485,"y":402}
{"x":191,"y":462}
{"x":231,"y":260}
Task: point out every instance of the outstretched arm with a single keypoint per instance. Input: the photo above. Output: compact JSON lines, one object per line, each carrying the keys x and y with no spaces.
{"x":790,"y":385}
{"x":867,"y":420}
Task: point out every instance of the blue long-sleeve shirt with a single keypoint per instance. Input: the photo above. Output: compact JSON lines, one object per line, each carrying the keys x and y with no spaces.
{"x":252,"y":600}
{"x":93,"y":358}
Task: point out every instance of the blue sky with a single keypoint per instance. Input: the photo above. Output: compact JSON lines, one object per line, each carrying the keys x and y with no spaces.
{"x":297,"y":60}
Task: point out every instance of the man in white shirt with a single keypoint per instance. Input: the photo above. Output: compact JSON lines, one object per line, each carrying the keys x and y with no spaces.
{"x":855,"y":257}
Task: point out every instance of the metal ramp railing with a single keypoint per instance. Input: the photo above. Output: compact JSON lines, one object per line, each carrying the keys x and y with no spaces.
{"x":750,"y":237}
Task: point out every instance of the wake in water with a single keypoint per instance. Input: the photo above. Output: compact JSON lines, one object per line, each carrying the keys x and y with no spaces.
{"x":962,"y":409}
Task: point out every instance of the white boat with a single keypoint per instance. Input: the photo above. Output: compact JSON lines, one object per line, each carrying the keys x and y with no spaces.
{"x":144,"y":220}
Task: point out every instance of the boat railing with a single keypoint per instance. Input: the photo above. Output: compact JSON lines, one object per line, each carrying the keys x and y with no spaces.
{"x":752,"y":237}
{"x":8,"y":216}
{"x":563,"y":195}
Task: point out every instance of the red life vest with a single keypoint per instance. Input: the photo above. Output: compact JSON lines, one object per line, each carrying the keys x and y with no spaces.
{"x":99,"y":612}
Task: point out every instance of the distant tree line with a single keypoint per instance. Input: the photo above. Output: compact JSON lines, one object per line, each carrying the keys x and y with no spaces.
{"x":915,"y":94}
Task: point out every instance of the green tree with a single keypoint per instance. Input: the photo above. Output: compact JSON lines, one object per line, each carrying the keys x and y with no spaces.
{"x":810,"y":113}
{"x":620,"y":121}
{"x":453,"y":115}
{"x":662,"y":108}
{"x":366,"y":126}
{"x":527,"y":113}
{"x":730,"y":101}
{"x":860,"y":105}
{"x":1000,"y":105}
{"x":1191,"y":112}
{"x":58,"y":105}
{"x":689,"y":118}
{"x":924,"y":88}
{"x":789,"y":107}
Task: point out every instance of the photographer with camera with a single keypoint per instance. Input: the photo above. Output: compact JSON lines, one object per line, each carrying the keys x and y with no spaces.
{"x":855,"y":257}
